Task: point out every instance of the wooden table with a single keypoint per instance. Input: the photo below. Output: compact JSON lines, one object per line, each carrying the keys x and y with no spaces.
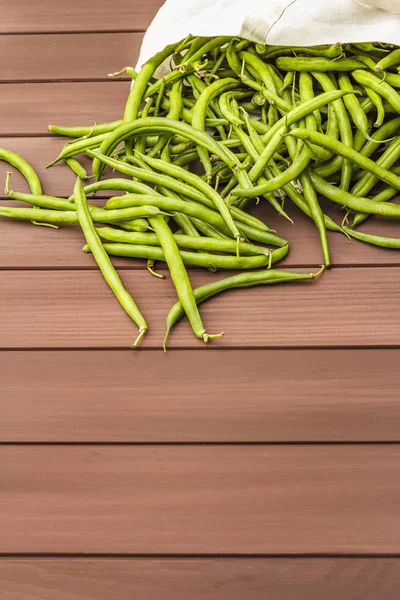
{"x":264,"y":466}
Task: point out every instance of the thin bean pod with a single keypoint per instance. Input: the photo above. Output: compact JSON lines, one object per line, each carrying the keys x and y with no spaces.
{"x":193,"y":242}
{"x":241,"y":280}
{"x":103,"y":261}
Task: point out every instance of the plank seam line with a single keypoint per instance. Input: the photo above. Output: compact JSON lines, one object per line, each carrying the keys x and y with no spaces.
{"x":158,"y":348}
{"x":138,"y":267}
{"x":203,"y":444}
{"x":72,"y":32}
{"x":103,"y":79}
{"x":199,"y":556}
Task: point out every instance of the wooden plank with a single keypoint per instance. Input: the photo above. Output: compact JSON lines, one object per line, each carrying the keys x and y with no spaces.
{"x":21,"y":16}
{"x":39,"y":151}
{"x":204,"y":499}
{"x":35,"y":247}
{"x":71,"y":56}
{"x":25,"y":108}
{"x":285,"y":396}
{"x":216,"y":579}
{"x":61,"y":309}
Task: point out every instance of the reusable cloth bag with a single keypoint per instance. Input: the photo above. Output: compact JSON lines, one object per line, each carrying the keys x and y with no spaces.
{"x":275,"y":22}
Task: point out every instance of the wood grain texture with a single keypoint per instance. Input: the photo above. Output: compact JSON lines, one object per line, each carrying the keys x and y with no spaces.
{"x":246,"y":396}
{"x":70,"y":56}
{"x":25,"y":108}
{"x":226,"y":499}
{"x":61,"y":309}
{"x":216,"y":579}
{"x":20,"y":16}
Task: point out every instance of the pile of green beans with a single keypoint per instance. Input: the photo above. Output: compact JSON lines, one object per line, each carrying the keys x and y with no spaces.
{"x":231,"y":121}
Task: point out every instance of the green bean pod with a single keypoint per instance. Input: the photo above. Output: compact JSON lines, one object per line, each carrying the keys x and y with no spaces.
{"x":193,"y":242}
{"x":322,"y":65}
{"x":346,"y":152}
{"x":197,"y":259}
{"x":383,"y":88}
{"x":102,"y":259}
{"x":242,"y":280}
{"x":24,"y":168}
{"x":179,"y":277}
{"x":374,"y":240}
{"x":355,"y":203}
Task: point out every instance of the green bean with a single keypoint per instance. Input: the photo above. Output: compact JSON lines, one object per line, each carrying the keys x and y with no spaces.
{"x":261,"y":68}
{"x":101,"y":257}
{"x":141,"y":142}
{"x":241,"y":280}
{"x":390,"y":128}
{"x":355,"y":203}
{"x":179,"y":277}
{"x":377,"y":101}
{"x":199,"y":113}
{"x":384,"y":196}
{"x":24,"y":168}
{"x":192,"y":179}
{"x":196,"y":58}
{"x":197,"y":259}
{"x":85,"y":130}
{"x":186,"y":159}
{"x":78,"y":147}
{"x":346,"y":133}
{"x":380,"y":87}
{"x":199,"y":211}
{"x":299,"y":112}
{"x":390,"y":78}
{"x":193,"y":242}
{"x":224,"y":103}
{"x":352,"y":104}
{"x":174,"y":113}
{"x":123,"y":185}
{"x":317,"y":215}
{"x":290,"y":174}
{"x":99,"y":215}
{"x":192,"y":209}
{"x":301,"y":203}
{"x":43,"y":201}
{"x":375,"y":240}
{"x":317,"y":64}
{"x":386,"y":160}
{"x":306,"y":94}
{"x":390,"y":60}
{"x":185,"y":224}
{"x":77,"y":168}
{"x":139,"y":87}
{"x":366,"y":60}
{"x":158,"y":124}
{"x":346,"y":152}
{"x":208,"y":230}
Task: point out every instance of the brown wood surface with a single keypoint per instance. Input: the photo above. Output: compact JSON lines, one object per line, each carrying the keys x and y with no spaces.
{"x":62,"y":309}
{"x":201,"y":500}
{"x":71,"y":56}
{"x":22,"y":16}
{"x":262,"y":383}
{"x":253,"y":396}
{"x":216,"y":579}
{"x":25,"y":108}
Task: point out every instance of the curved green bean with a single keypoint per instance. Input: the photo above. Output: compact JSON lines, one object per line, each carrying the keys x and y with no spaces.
{"x":242,"y":280}
{"x":102,"y":259}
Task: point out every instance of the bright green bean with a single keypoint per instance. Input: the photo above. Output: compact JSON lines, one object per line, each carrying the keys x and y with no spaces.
{"x":104,"y":263}
{"x":242,"y":280}
{"x":194,"y":242}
